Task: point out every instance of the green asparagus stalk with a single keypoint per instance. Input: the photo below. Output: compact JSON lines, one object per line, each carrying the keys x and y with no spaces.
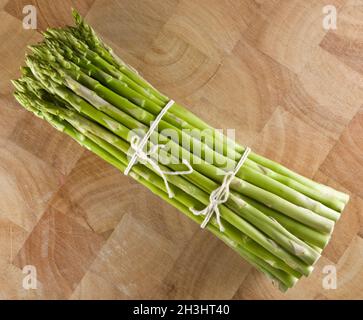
{"x":275,"y":218}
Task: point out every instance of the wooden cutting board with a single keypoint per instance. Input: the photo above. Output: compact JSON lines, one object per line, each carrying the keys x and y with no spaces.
{"x":292,"y":90}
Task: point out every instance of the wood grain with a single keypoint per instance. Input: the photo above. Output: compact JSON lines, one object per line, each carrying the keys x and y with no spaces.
{"x":268,"y":69}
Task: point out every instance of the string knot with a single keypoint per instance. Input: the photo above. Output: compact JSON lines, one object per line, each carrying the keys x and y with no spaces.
{"x":220,"y":195}
{"x":146,"y":156}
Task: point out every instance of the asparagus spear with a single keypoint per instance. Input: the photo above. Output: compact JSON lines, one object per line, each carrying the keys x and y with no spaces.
{"x":275,"y":218}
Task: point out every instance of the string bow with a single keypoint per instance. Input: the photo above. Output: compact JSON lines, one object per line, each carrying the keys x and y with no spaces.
{"x":220,"y":195}
{"x":146,"y":156}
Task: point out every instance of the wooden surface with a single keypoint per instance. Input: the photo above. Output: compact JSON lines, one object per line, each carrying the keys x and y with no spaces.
{"x":292,"y":90}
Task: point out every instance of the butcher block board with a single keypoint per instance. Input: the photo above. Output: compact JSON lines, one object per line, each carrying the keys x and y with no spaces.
{"x":292,"y":90}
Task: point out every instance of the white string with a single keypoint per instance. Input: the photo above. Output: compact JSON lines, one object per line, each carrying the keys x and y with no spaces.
{"x":139,"y":153}
{"x":220,"y":195}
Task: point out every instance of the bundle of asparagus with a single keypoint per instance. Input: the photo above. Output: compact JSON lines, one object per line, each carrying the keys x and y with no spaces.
{"x":274,"y":218}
